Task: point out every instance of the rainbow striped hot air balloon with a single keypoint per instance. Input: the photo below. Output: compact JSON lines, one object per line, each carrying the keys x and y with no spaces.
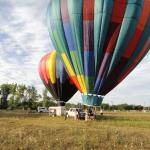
{"x":55,"y":78}
{"x":100,"y":41}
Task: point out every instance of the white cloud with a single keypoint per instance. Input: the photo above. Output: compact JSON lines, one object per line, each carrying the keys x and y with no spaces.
{"x":23,"y":40}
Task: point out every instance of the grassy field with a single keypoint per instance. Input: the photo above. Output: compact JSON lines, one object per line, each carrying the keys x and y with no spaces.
{"x":113,"y":131}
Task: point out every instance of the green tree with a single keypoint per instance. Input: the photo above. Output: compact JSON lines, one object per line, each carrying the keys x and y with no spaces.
{"x":5,"y":90}
{"x":21,"y":95}
{"x":46,"y":99}
{"x":105,"y":106}
{"x":32,"y":97}
{"x":13,"y":101}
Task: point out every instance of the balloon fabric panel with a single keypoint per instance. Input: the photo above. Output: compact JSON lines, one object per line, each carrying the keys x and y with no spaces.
{"x":100,"y":41}
{"x":55,"y":78}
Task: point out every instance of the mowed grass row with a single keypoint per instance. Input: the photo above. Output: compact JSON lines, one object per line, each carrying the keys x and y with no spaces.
{"x":120,"y":131}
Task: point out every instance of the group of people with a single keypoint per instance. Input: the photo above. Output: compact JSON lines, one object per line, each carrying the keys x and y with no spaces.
{"x":77,"y":114}
{"x":90,"y":114}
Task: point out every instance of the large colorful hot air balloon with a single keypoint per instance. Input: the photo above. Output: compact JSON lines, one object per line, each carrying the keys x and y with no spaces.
{"x":100,"y":41}
{"x":55,"y":78}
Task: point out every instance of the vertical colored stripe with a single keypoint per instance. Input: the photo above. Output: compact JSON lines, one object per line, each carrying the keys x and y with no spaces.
{"x":102,"y":17}
{"x":88,"y":38}
{"x":51,"y":63}
{"x":129,"y":23}
{"x":88,"y":10}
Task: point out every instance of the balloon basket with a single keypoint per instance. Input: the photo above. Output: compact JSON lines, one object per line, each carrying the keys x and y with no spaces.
{"x":92,"y":100}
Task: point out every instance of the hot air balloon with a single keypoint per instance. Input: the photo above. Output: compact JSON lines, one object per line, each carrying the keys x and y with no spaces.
{"x":99,"y":41}
{"x":55,"y":78}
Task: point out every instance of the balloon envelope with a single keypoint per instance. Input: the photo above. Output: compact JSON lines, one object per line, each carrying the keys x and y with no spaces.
{"x":55,"y":78}
{"x":100,"y":41}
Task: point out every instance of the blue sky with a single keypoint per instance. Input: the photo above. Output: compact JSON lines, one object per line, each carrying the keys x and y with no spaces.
{"x":24,"y":40}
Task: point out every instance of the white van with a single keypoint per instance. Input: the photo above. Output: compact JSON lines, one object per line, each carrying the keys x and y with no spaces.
{"x":42,"y":109}
{"x":72,"y":112}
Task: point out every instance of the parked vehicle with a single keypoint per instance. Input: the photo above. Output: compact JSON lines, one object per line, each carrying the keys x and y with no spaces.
{"x":57,"y":110}
{"x":72,"y":113}
{"x":42,"y":110}
{"x":82,"y":114}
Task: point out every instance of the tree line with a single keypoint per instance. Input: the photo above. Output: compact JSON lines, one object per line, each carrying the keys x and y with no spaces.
{"x":20,"y":96}
{"x":107,"y":107}
{"x":123,"y":107}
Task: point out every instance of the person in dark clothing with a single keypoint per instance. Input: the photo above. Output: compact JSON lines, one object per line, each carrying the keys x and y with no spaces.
{"x":65,"y":114}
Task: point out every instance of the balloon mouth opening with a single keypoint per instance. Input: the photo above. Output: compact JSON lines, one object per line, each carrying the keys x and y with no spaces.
{"x":92,"y":99}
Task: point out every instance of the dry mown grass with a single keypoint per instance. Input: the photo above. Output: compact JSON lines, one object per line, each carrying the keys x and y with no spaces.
{"x":20,"y":131}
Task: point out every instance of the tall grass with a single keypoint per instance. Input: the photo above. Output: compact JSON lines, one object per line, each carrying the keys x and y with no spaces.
{"x":113,"y":131}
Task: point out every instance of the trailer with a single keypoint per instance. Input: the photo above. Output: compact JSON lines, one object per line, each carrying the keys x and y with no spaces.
{"x":56,"y":111}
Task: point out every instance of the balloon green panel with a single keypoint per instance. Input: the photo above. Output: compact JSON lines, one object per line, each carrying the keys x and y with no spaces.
{"x":75,"y":6}
{"x":56,"y":21}
{"x":127,"y":30}
{"x":104,"y":6}
{"x":76,"y":62}
{"x":138,"y":2}
{"x":59,"y":35}
{"x":57,"y":40}
{"x":58,"y":32}
{"x":49,"y":22}
{"x":100,"y":32}
{"x":56,"y":9}
{"x":75,"y":15}
{"x":103,"y":9}
{"x":89,"y":81}
{"x":133,"y":11}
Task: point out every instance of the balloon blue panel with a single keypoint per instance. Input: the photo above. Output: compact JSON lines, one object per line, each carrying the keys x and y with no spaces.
{"x":88,"y":63}
{"x":88,"y":31}
{"x":92,"y":100}
{"x":69,"y":36}
{"x":60,"y":71}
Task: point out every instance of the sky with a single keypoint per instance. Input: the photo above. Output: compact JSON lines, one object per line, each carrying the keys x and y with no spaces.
{"x":24,"y":39}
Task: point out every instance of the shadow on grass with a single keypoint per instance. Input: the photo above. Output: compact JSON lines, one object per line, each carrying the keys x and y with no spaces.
{"x":20,"y":113}
{"x":103,"y":117}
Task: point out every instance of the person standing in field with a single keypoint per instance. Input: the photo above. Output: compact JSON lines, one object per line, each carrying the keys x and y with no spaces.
{"x":65,"y":114}
{"x":86,"y":115}
{"x":76,"y":114}
{"x":79,"y":114}
{"x":94,"y":113}
{"x":101,"y":112}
